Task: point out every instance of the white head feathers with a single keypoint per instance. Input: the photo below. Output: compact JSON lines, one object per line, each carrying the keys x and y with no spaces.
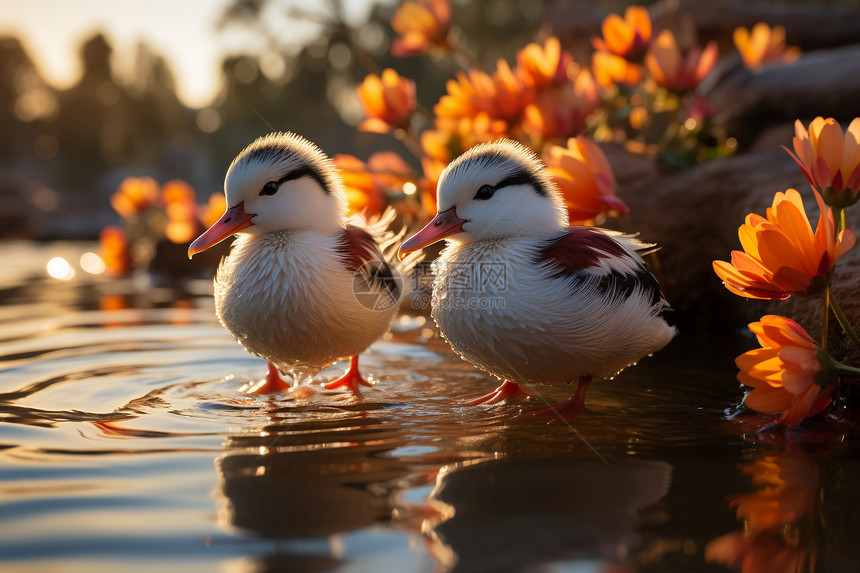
{"x":502,"y":190}
{"x":287,"y":182}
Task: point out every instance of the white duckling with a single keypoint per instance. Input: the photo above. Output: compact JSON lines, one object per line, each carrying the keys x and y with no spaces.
{"x":523,"y":296}
{"x":301,"y":288}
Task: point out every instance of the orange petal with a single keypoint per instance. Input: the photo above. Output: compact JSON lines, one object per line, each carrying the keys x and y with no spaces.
{"x":768,"y":399}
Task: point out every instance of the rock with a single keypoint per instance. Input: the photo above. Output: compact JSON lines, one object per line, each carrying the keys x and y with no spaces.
{"x":821,"y":83}
{"x":807,"y":26}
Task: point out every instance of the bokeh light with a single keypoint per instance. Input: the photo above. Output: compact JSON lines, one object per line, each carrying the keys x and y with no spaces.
{"x":92,"y":263}
{"x":59,"y":268}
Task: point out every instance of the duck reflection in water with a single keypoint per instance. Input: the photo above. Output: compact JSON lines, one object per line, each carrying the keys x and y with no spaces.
{"x":515,"y":514}
{"x":308,"y":479}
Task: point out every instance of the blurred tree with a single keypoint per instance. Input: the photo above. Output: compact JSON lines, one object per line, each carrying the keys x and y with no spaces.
{"x":156,"y":117}
{"x":25,"y":101}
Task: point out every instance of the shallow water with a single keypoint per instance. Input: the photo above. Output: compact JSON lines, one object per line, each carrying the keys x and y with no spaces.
{"x":125,"y":443}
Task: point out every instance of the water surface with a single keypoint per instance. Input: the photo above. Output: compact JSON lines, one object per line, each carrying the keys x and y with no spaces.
{"x":126,"y":444}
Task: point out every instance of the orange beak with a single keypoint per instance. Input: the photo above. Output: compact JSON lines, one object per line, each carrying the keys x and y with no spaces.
{"x":231,"y":222}
{"x":444,"y":224}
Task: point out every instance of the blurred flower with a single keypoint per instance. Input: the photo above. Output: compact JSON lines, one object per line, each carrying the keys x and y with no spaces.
{"x":366,"y":184}
{"x":213,"y":209}
{"x":361,"y":193}
{"x":388,"y":101}
{"x":453,"y":136}
{"x":421,"y":25}
{"x":784,"y":372}
{"x":585,"y":179}
{"x":610,"y":69}
{"x":134,"y":196}
{"x":502,"y":96}
{"x":427,"y":186}
{"x":176,"y":192}
{"x":562,"y":111}
{"x":764,"y":45}
{"x":638,"y":117}
{"x":782,"y":256}
{"x":539,"y":67}
{"x":829,"y":159}
{"x":114,"y":251}
{"x":674,"y":72}
{"x":628,"y":38}
{"x":181,"y":210}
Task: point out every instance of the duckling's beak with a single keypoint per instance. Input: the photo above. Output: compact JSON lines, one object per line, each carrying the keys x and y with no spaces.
{"x":232,"y":221}
{"x":444,"y":224}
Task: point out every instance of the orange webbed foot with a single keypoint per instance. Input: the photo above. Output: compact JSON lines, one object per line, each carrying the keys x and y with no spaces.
{"x":271,"y":384}
{"x":567,"y":412}
{"x":352,"y":379}
{"x":504,"y":391}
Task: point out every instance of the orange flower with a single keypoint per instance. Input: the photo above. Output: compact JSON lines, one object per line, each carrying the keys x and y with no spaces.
{"x":784,"y":372}
{"x":610,"y":69}
{"x":782,"y":256}
{"x":585,"y":179}
{"x":366,"y":184}
{"x":114,"y":251}
{"x":562,"y":110}
{"x":627,"y":38}
{"x":502,"y":96}
{"x":763,"y":46}
{"x":388,"y":101}
{"x":181,"y":210}
{"x":673,"y":71}
{"x":539,"y":67}
{"x":829,"y":159}
{"x":134,"y":196}
{"x":422,"y":25}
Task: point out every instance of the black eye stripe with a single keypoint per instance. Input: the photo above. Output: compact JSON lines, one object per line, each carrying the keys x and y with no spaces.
{"x":304,"y":171}
{"x":523,"y":178}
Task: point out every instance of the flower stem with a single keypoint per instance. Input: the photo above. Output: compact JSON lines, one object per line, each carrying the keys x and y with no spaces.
{"x":843,"y":320}
{"x":844,"y":370}
{"x":470,"y":58}
{"x":407,"y":137}
{"x":839,"y":218}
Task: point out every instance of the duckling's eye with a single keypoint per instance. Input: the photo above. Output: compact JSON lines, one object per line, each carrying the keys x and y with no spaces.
{"x":485,"y":192}
{"x":270,"y":188}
